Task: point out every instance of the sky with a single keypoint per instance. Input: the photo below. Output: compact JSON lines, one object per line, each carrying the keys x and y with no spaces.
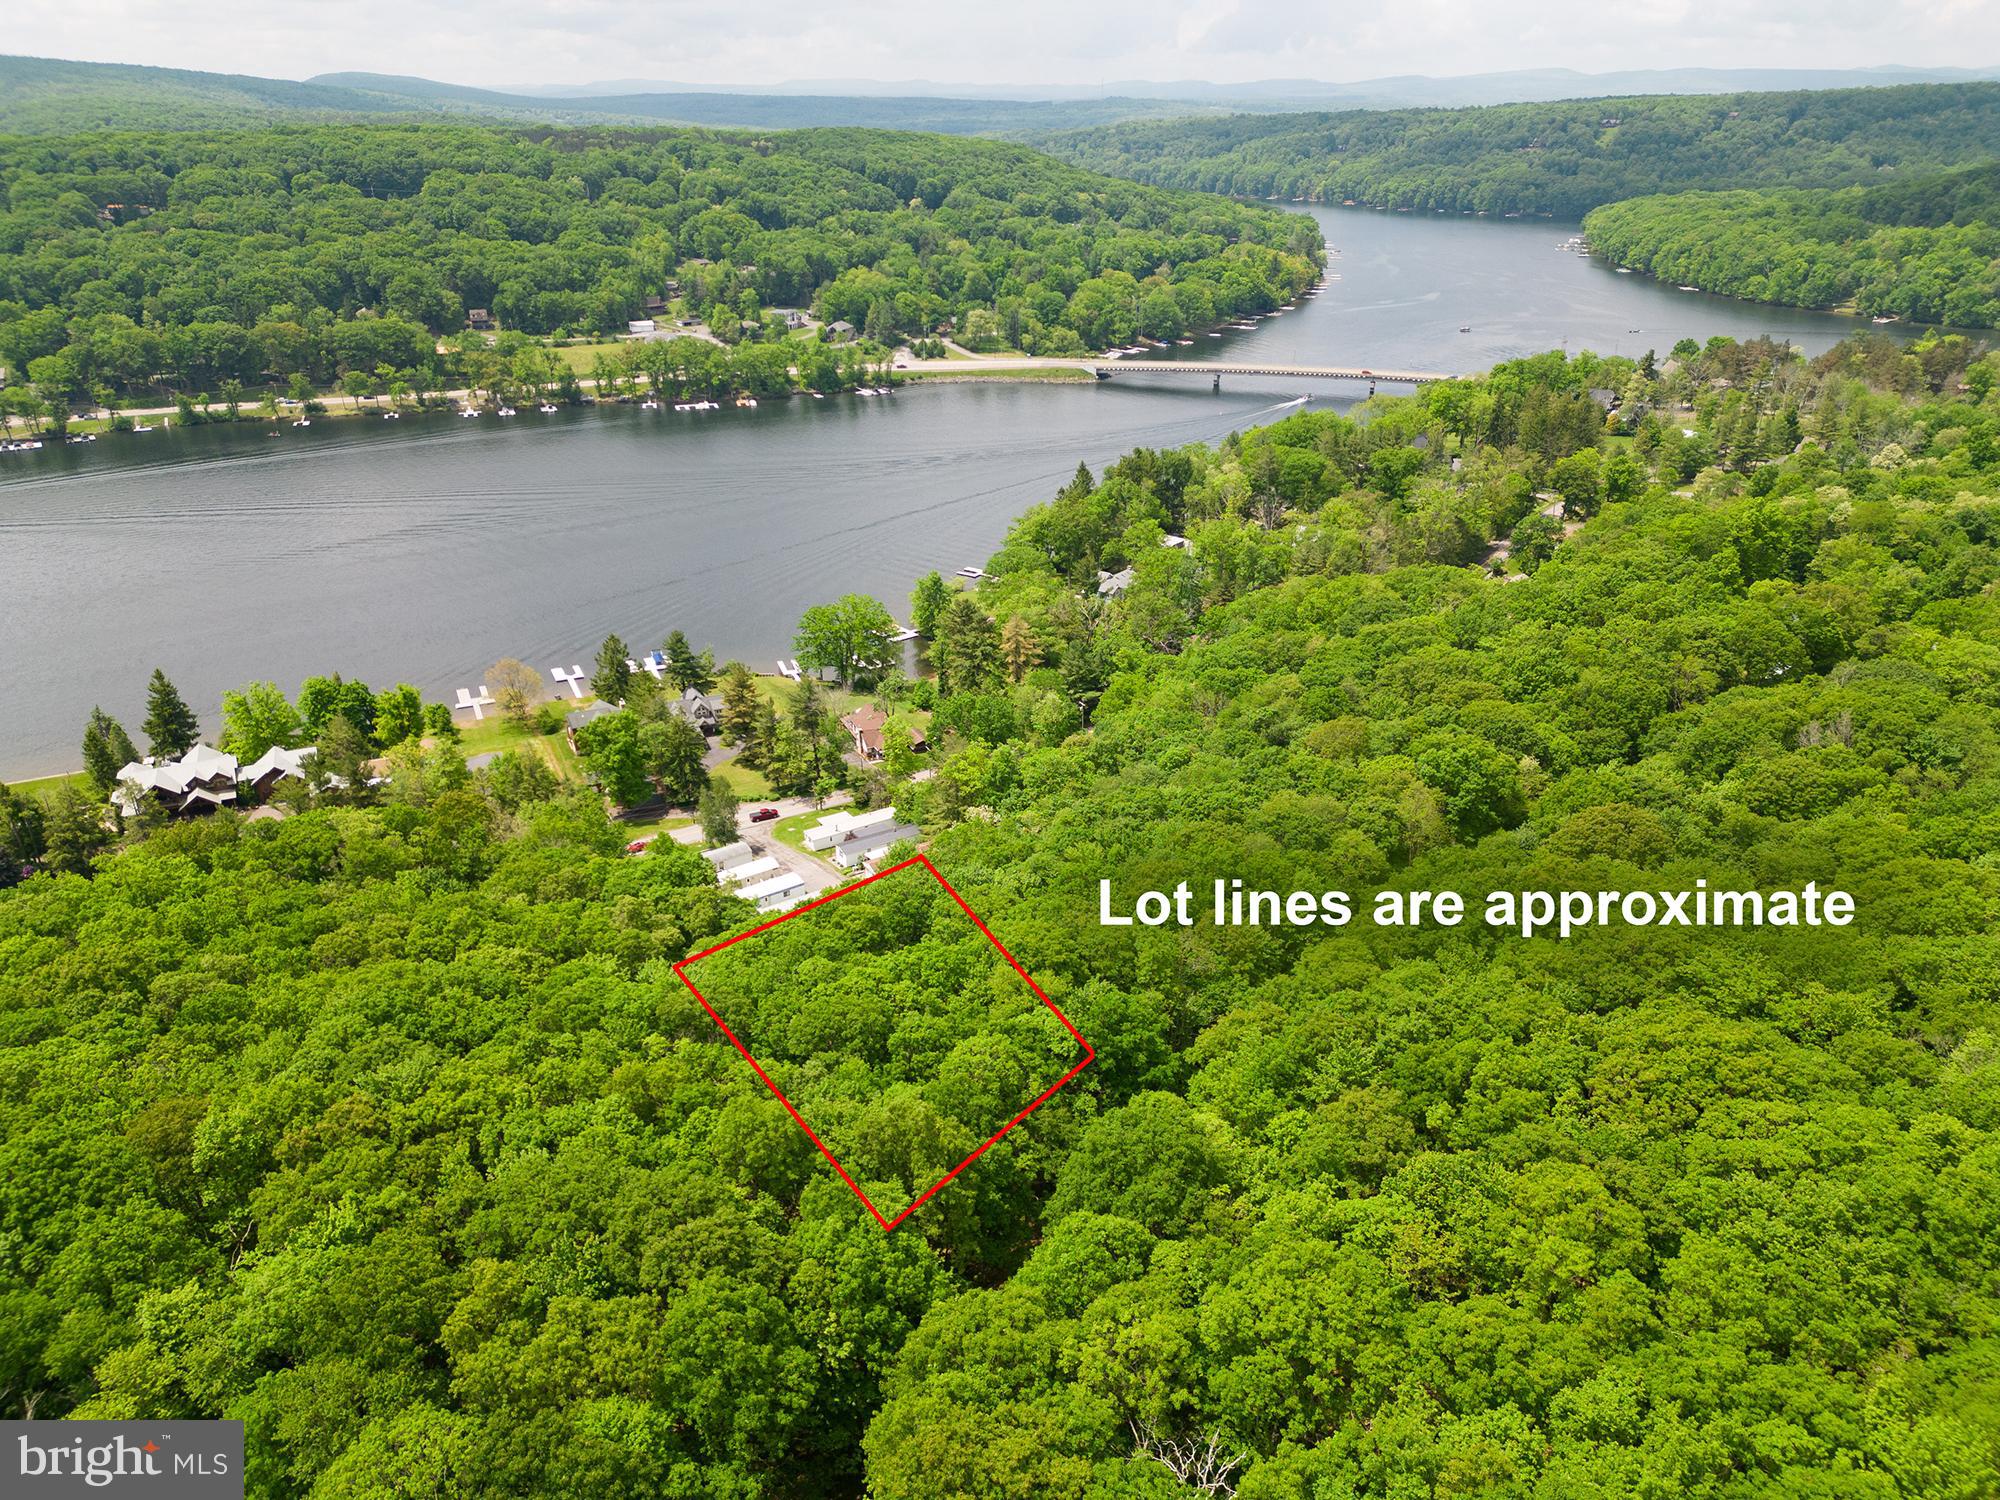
{"x":501,"y":43}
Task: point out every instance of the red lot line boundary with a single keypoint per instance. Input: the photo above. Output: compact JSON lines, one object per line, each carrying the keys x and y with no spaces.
{"x":1089,"y":1054}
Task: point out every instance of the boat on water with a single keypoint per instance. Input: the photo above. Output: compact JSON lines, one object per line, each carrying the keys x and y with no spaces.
{"x":506,"y":411}
{"x":300,"y":422}
{"x":546,"y":406}
{"x":1889,"y":319}
{"x":469,"y":411}
{"x":1690,"y":289}
{"x":392,"y":416}
{"x":746,"y":400}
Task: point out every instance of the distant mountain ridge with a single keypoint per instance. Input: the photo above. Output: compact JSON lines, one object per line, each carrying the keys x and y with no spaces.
{"x":53,"y":96}
{"x":1277,"y":95}
{"x":48,"y":96}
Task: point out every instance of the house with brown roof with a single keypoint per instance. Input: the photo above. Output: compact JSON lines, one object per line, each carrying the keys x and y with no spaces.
{"x":865,"y":724}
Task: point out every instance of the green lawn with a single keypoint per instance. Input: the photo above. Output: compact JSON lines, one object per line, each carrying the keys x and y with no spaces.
{"x":501,"y":733}
{"x":43,"y":786}
{"x":792,"y":830}
{"x":580,"y":357}
{"x":749,"y":785}
{"x":779,"y":691}
{"x":987,"y":372}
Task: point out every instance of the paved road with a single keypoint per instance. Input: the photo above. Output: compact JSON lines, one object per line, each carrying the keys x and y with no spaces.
{"x":818,"y":874}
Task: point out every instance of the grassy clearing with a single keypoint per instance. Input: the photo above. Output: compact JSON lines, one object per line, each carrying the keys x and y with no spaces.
{"x":749,"y":785}
{"x":502,"y":733}
{"x":580,"y":357}
{"x":47,"y":786}
{"x":1062,"y":374}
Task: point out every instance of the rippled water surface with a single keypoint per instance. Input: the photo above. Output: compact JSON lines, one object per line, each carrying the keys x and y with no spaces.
{"x":423,"y":550}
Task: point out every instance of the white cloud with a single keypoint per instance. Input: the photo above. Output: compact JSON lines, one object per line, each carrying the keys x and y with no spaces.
{"x":498,"y":42}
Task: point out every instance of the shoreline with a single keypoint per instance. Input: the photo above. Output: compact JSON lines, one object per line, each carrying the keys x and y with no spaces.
{"x":349,"y":408}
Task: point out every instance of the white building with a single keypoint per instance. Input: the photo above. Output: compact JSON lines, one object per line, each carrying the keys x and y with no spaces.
{"x":850,"y":853}
{"x":837,"y":828}
{"x":272,"y":767}
{"x":751,"y":871}
{"x":200,"y":781}
{"x":728,"y":856}
{"x":776,"y":893}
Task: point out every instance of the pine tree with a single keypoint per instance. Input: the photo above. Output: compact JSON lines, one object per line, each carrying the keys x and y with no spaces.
{"x":1019,"y":648}
{"x":740,"y":705}
{"x":106,"y":750}
{"x":678,"y":767}
{"x":967,"y":652}
{"x":171,"y":728}
{"x":612,"y":681}
{"x":684,"y":669}
{"x":762,"y":743}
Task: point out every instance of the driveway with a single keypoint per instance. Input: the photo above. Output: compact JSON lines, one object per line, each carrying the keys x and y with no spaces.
{"x":818,"y":874}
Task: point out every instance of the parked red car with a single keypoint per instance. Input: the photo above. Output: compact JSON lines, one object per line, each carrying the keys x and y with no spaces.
{"x":763,"y":815}
{"x":637,"y":846}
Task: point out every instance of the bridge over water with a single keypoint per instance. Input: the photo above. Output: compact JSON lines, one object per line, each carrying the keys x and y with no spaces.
{"x":1211,"y":369}
{"x":1216,"y":369}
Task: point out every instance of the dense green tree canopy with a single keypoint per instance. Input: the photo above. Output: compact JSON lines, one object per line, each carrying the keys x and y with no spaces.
{"x":1560,"y":158}
{"x":1926,"y":250}
{"x":391,"y":1132}
{"x":264,"y":253}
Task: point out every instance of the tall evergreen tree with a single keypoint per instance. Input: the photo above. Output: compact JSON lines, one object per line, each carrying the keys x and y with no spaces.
{"x":1018,"y":647}
{"x":612,"y":681}
{"x":740,"y":704}
{"x":678,"y":761}
{"x":684,"y":668}
{"x":171,"y":728}
{"x":106,"y":748}
{"x":967,"y":652}
{"x":762,"y":742}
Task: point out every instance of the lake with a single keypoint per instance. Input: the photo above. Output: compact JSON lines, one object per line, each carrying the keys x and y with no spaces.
{"x":424,"y":550}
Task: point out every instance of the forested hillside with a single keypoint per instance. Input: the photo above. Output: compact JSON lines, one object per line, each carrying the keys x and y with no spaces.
{"x":1562,"y":158}
{"x":1927,"y":250}
{"x":389,"y":1130}
{"x":49,"y":96}
{"x":194,"y":259}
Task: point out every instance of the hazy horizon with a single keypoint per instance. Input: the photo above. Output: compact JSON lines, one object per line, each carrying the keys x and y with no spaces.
{"x":1035,"y":43}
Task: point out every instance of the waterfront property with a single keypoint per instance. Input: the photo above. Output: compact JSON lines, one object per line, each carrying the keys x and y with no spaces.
{"x":866,"y":724}
{"x":589,"y":714}
{"x":203,"y":779}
